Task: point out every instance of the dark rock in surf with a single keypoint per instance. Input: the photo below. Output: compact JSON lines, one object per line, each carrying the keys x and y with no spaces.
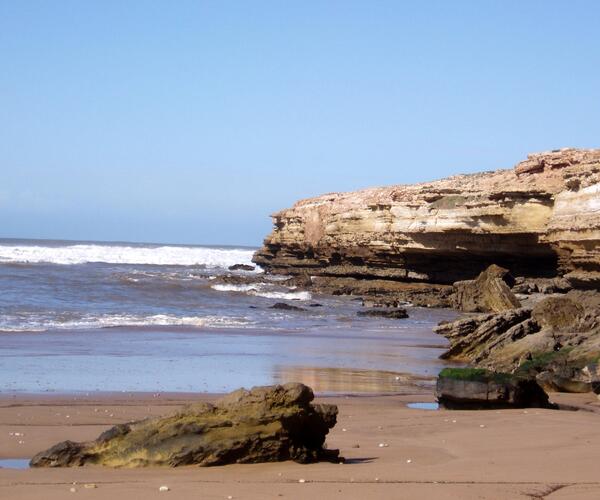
{"x":264,"y":424}
{"x":286,"y":307}
{"x":241,"y":267}
{"x":384,"y":313}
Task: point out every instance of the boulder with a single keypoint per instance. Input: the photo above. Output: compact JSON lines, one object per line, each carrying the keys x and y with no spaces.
{"x":382,"y":302}
{"x":545,"y":286}
{"x":398,"y":313}
{"x":489,"y":292}
{"x":481,"y":338}
{"x":286,"y":307}
{"x":591,"y":374}
{"x":476,"y":388}
{"x":242,"y":267}
{"x":264,"y":424}
{"x":555,"y":381}
{"x":557,"y":313}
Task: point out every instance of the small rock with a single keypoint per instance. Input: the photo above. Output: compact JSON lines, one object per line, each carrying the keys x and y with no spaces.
{"x":408,"y":461}
{"x":399,"y":313}
{"x":301,"y":480}
{"x":164,"y":488}
{"x":90,"y":486}
{"x":73,"y":490}
{"x":286,"y":307}
{"x":241,"y":267}
{"x":383,"y":445}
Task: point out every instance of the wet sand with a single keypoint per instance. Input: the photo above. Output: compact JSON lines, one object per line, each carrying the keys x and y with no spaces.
{"x":429,"y":454}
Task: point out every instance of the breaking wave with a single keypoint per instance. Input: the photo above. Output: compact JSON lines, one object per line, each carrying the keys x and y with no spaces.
{"x":284,"y":295}
{"x":259,"y":290}
{"x":124,"y":254}
{"x":91,"y":322}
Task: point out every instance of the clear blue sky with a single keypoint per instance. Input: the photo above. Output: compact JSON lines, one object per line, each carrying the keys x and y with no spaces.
{"x":190,"y":121}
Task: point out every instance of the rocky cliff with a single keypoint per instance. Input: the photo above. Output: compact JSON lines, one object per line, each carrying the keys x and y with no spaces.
{"x":539,"y":219}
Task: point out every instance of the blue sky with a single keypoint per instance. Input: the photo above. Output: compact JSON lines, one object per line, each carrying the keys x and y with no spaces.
{"x":191,"y":121}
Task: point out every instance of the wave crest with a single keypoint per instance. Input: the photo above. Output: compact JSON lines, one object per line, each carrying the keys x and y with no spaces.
{"x":259,"y":290}
{"x":123,"y":254}
{"x":92,"y":322}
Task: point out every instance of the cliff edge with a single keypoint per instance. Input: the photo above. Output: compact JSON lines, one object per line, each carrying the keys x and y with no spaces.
{"x":539,"y":219}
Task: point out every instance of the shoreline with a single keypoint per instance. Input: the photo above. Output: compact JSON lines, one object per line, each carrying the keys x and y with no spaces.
{"x":446,"y":454}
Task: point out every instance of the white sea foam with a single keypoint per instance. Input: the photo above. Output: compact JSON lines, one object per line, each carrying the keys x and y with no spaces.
{"x":124,"y":320}
{"x":260,"y":290}
{"x":234,"y":288}
{"x":284,"y":295}
{"x":123,"y":254}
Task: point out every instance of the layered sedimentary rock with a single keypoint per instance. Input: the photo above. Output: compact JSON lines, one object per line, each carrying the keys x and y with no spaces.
{"x":489,"y":292}
{"x":264,"y":424}
{"x":557,"y":339}
{"x":539,"y":219}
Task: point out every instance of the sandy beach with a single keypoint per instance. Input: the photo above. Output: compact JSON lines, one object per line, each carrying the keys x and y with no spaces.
{"x":392,"y":451}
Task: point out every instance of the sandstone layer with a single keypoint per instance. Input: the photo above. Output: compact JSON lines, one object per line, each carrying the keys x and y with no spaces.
{"x":556,"y":340}
{"x":539,"y":219}
{"x":265,"y":424}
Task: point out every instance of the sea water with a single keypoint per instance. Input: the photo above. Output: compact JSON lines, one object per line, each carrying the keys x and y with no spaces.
{"x":91,"y":316}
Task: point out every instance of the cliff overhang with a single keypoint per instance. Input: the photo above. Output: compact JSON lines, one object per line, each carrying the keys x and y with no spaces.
{"x":539,"y":219}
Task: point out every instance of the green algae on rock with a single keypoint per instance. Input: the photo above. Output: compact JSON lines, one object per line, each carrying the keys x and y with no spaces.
{"x":477,"y":388}
{"x":264,"y":424}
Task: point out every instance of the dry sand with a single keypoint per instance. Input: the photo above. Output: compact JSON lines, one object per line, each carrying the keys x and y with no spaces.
{"x":427,"y":454}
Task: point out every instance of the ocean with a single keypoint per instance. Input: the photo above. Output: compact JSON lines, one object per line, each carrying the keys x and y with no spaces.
{"x":94,"y":316}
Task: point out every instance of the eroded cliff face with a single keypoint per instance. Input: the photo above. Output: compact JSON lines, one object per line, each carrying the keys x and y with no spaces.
{"x":541,"y":218}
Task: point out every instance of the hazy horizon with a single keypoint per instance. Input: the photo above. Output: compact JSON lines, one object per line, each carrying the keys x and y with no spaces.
{"x":190,"y":123}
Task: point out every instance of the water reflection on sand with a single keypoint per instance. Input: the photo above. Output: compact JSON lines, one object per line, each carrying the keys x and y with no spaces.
{"x":348,"y":380}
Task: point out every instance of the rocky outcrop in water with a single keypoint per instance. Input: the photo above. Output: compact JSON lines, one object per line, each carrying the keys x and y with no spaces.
{"x":264,"y":424}
{"x":540,"y":219}
{"x":389,"y":313}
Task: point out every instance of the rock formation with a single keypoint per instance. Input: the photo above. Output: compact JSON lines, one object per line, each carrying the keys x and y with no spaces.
{"x":556,"y":340}
{"x":264,"y":424}
{"x":540,"y":219}
{"x":389,"y":313}
{"x":490,"y":292}
{"x":476,"y":389}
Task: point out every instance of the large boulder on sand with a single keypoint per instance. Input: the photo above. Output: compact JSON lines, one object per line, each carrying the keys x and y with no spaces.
{"x":476,"y":388}
{"x":489,"y":292}
{"x":265,"y":424}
